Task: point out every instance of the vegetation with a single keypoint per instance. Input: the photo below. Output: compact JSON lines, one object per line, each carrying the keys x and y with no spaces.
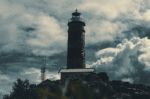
{"x":93,"y":86}
{"x":50,"y":90}
{"x":22,"y":90}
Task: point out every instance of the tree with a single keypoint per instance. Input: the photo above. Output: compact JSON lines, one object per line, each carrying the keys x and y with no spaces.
{"x":22,"y":90}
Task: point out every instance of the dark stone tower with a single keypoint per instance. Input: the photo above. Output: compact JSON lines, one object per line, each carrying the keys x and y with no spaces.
{"x":76,"y":42}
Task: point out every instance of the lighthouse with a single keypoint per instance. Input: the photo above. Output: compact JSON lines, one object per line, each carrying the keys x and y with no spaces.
{"x":76,"y":42}
{"x":76,"y":67}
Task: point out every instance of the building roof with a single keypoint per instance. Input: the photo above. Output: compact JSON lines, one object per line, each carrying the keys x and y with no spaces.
{"x":76,"y":13}
{"x":77,"y":70}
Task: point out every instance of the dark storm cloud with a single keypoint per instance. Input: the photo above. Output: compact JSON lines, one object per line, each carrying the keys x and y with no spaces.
{"x":138,"y":31}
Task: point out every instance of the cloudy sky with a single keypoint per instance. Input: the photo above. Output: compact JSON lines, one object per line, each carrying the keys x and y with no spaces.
{"x":117,"y":38}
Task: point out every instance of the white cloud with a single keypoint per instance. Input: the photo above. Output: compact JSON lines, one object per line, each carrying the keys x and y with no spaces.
{"x":145,"y":16}
{"x":130,"y":58}
{"x":111,"y":8}
{"x":103,"y":30}
{"x":49,"y":37}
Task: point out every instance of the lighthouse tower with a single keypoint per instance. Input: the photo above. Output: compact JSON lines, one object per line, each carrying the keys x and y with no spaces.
{"x":76,"y":42}
{"x":76,"y":52}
